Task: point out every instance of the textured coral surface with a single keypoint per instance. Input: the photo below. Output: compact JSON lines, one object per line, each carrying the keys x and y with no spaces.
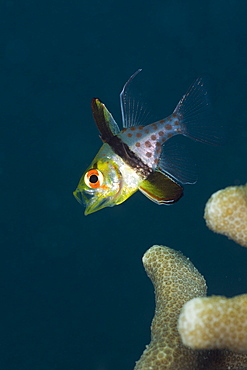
{"x":215,"y":322}
{"x":226,"y":213}
{"x":176,"y":281}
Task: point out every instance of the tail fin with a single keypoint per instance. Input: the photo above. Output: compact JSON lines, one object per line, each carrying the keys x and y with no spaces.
{"x":195,"y":113}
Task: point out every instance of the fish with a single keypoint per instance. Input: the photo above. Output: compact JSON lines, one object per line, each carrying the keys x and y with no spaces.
{"x":143,"y":157}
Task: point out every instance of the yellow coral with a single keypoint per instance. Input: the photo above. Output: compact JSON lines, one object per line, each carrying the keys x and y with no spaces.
{"x":215,"y":322}
{"x":226,"y":213}
{"x":176,"y":281}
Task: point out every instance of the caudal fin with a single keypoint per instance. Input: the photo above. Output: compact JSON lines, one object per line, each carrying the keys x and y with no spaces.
{"x":195,"y":113}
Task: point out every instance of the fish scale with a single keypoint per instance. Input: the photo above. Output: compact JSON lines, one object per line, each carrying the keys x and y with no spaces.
{"x":147,"y":141}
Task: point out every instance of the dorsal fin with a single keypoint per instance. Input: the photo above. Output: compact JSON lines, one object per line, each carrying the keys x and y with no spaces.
{"x":106,"y":124}
{"x":161,"y":189}
{"x":133,"y":108}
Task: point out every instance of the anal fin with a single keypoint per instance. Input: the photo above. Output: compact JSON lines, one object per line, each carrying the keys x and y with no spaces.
{"x":161,"y":189}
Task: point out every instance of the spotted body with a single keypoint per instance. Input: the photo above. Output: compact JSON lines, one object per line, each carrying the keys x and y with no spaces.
{"x":147,"y":141}
{"x":140,"y":157}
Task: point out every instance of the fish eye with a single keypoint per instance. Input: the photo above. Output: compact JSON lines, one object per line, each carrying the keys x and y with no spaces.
{"x":93,"y":179}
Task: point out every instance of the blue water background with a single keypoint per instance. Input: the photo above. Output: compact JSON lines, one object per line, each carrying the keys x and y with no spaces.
{"x":73,"y":291}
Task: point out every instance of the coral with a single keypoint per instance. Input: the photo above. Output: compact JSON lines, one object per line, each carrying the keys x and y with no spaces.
{"x":176,"y":281}
{"x":215,"y":322}
{"x":226,"y":213}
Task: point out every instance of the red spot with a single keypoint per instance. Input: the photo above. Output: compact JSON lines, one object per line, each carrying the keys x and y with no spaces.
{"x":176,"y":122}
{"x":169,"y":135}
{"x":153,"y":137}
{"x":147,"y":144}
{"x":174,"y":115}
{"x":156,"y":161}
{"x":161,"y":133}
{"x":147,"y":131}
{"x":162,"y":121}
{"x":138,"y":134}
{"x":138,"y":145}
{"x":168,"y":126}
{"x":132,"y":128}
{"x":158,"y":143}
{"x":158,"y":150}
{"x":149,"y":155}
{"x":129,"y":135}
{"x":140,"y":127}
{"x":154,"y":126}
{"x":124,"y":129}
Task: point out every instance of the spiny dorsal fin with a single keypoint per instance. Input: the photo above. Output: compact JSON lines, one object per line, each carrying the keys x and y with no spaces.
{"x":106,"y":124}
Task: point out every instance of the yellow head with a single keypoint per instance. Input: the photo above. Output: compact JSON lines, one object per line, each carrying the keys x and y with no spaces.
{"x":106,"y":182}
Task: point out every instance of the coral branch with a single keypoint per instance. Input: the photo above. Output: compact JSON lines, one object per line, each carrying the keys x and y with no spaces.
{"x":176,"y":282}
{"x":226,"y":213}
{"x":215,"y":322}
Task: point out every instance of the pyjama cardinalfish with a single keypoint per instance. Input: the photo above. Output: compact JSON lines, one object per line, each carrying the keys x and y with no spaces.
{"x":140,"y":157}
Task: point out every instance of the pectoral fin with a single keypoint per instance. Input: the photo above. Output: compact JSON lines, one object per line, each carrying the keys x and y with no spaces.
{"x":161,"y":189}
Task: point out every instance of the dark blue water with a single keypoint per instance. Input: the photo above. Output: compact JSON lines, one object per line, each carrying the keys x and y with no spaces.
{"x":74,"y":294}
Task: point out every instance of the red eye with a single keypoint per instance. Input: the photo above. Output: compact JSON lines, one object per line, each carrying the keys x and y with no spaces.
{"x":94,"y":179}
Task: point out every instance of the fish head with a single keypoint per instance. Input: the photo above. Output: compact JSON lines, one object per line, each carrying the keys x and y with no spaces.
{"x":105,"y":183}
{"x":99,"y":186}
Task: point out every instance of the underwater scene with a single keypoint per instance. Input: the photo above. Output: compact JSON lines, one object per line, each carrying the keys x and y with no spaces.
{"x":73,"y":289}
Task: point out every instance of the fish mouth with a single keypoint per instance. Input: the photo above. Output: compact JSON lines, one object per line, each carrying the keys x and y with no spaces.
{"x":83,"y":196}
{"x":88,"y":199}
